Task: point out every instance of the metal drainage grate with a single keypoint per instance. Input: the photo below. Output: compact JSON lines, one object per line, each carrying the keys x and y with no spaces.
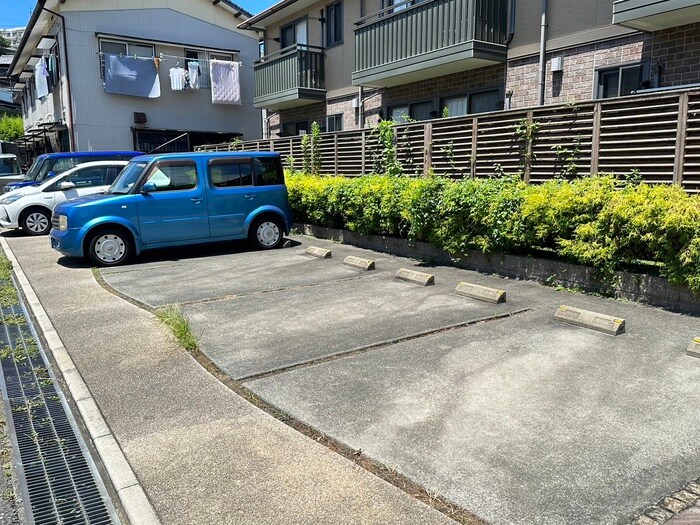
{"x":60,"y":483}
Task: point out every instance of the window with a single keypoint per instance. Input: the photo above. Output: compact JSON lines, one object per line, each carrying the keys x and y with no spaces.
{"x":416,"y":111}
{"x":334,"y":122}
{"x":334,"y":24}
{"x":203,"y":58}
{"x":291,"y":129}
{"x":485,"y":101}
{"x":294,"y":33}
{"x":166,"y":141}
{"x":230,"y":173}
{"x":620,"y":81}
{"x":456,"y":106}
{"x":111,"y":47}
{"x":88,"y":177}
{"x":173,"y":175}
{"x":268,"y":171}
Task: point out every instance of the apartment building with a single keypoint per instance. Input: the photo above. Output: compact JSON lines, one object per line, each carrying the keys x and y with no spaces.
{"x":104,"y":75}
{"x":348,"y":63}
{"x":13,"y":35}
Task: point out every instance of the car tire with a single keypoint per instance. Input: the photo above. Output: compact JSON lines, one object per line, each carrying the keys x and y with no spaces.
{"x":266,"y":233}
{"x":109,"y":247}
{"x":36,"y":221}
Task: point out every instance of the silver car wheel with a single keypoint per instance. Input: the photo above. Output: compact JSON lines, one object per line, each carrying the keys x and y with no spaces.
{"x":37,"y":222}
{"x":268,"y":234}
{"x":110,"y":248}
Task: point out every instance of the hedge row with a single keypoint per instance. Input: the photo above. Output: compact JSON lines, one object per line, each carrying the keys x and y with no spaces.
{"x":598,"y":221}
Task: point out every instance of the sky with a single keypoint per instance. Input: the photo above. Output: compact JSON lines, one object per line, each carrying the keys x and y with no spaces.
{"x":16,"y":13}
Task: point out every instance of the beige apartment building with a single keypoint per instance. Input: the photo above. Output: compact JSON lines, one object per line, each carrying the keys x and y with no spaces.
{"x":348,"y":63}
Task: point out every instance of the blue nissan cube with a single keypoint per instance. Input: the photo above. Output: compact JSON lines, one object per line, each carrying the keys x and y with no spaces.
{"x":177,"y":199}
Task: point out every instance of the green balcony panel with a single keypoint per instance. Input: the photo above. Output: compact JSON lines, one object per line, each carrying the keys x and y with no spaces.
{"x":654,"y":15}
{"x":289,"y":78}
{"x":417,"y":40}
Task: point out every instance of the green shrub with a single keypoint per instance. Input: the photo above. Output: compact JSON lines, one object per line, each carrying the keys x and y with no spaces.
{"x":599,"y":221}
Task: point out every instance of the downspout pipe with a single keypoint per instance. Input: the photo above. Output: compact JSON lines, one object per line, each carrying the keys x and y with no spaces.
{"x":511,"y":28}
{"x":543,"y":52}
{"x":69,"y":106}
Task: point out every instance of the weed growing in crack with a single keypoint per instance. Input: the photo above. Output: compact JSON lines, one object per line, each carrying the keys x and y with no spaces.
{"x":179,"y":325}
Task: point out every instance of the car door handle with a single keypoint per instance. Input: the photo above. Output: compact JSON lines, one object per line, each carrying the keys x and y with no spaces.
{"x":196,"y":200}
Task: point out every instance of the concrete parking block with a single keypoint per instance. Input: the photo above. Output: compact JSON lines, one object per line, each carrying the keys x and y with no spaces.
{"x":694,"y":348}
{"x":595,"y":321}
{"x":482,"y":293}
{"x":412,"y":276}
{"x":359,"y":263}
{"x":321,"y":253}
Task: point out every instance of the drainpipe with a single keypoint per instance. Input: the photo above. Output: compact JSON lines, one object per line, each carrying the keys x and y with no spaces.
{"x":543,"y":51}
{"x":511,"y":29}
{"x":361,"y":107}
{"x":69,"y":106}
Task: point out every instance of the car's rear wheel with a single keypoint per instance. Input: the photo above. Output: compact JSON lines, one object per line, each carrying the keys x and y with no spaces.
{"x":109,"y":247}
{"x":266,"y":233}
{"x":36,"y":221}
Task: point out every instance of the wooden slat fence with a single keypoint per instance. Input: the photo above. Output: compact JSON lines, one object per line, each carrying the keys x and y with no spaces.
{"x":654,"y":136}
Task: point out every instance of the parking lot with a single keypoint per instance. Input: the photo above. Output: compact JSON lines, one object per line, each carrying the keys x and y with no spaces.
{"x":499,"y":408}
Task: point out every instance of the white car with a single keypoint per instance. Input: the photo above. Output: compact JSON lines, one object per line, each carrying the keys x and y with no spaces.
{"x":30,"y":207}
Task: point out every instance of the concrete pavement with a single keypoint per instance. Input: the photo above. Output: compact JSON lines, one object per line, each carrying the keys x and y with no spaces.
{"x":202,"y":453}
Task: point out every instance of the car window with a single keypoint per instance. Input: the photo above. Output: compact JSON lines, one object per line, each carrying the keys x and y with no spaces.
{"x":268,"y":171}
{"x":174,"y":175}
{"x":62,"y":164}
{"x":89,"y":177}
{"x":226,"y":173}
{"x":112,"y":173}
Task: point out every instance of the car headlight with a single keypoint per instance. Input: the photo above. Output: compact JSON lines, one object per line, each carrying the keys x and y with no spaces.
{"x":12,"y":197}
{"x":62,"y":223}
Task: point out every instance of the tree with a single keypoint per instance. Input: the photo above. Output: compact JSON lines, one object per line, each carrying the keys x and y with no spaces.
{"x":11,"y":128}
{"x":4,"y":46}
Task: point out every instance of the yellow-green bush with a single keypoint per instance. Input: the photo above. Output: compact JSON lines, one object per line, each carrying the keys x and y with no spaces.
{"x":598,"y":221}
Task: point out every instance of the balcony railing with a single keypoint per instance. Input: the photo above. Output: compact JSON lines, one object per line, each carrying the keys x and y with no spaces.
{"x":414,"y":40}
{"x":291,"y":77}
{"x":654,"y":15}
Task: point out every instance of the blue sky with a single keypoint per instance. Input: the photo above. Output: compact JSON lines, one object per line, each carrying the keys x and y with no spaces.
{"x":16,"y":13}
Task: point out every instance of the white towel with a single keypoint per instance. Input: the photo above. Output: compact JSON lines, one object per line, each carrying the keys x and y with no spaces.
{"x":225,"y":82}
{"x":193,"y":70}
{"x":41,"y":74}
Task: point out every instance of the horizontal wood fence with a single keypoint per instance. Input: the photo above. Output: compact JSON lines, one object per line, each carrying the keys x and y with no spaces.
{"x":656,"y":137}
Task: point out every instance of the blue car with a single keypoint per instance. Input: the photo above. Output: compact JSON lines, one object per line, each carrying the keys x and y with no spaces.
{"x":50,"y":164}
{"x":177,"y":199}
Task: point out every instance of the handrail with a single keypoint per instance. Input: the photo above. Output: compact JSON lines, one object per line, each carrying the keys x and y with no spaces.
{"x":289,"y":50}
{"x":389,"y":12}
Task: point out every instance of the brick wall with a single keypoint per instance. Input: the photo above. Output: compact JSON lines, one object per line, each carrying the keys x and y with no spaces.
{"x":377,"y":101}
{"x":676,"y":49}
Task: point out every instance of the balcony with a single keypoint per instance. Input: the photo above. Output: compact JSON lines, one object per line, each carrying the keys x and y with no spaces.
{"x":416,"y":40}
{"x":654,"y":15}
{"x":290,"y":78}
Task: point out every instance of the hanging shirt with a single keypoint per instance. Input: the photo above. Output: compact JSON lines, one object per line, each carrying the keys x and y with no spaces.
{"x":193,"y":70}
{"x":177,"y":79}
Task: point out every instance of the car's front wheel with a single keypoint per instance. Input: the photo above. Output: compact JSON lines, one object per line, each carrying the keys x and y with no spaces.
{"x":266,"y":233}
{"x":36,"y":221}
{"x":109,"y":247}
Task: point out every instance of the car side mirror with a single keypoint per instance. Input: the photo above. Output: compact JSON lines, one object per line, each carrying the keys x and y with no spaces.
{"x":66,"y":185}
{"x":148,"y":187}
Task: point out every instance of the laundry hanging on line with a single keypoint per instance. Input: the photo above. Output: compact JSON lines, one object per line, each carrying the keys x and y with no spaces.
{"x":41,"y":74}
{"x":225,"y":82}
{"x":132,"y":76}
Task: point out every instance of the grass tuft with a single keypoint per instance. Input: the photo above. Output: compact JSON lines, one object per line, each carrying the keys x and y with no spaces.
{"x":5,"y":268}
{"x":179,"y":325}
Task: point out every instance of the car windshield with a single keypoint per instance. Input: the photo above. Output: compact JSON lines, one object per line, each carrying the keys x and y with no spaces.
{"x":9,"y":166}
{"x":127,"y":178}
{"x":36,"y":168}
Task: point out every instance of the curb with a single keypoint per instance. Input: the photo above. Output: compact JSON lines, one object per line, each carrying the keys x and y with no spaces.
{"x":132,"y":497}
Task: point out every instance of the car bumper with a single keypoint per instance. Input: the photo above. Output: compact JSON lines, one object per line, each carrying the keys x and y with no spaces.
{"x":5,"y":220}
{"x":67,"y":242}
